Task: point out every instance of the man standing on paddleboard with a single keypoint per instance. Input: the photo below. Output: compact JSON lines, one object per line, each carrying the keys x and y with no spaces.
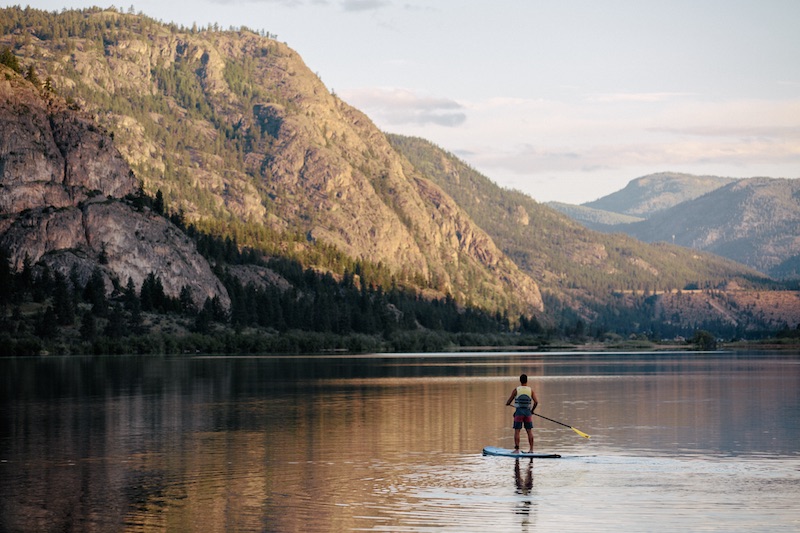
{"x":526,"y":402}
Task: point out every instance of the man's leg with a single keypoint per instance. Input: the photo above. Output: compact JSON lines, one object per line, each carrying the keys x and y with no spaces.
{"x":516,"y":438}
{"x":530,"y":439}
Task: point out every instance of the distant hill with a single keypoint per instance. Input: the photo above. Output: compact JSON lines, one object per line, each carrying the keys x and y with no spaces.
{"x":753,"y":221}
{"x":645,"y":196}
{"x":593,"y":218}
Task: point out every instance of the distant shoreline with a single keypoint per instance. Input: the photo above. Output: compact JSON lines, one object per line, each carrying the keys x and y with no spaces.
{"x":638,"y":346}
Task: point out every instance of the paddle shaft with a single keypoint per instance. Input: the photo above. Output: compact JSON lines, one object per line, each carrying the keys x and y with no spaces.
{"x":551,"y":420}
{"x":579,"y":432}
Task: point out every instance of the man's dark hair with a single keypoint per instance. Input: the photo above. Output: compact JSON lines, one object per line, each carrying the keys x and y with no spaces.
{"x":523,"y":378}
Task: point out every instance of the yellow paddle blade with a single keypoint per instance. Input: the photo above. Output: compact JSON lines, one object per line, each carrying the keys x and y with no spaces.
{"x":581,"y":433}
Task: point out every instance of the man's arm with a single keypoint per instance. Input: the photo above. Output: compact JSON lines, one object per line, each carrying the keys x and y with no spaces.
{"x":511,"y":398}
{"x":535,"y":400}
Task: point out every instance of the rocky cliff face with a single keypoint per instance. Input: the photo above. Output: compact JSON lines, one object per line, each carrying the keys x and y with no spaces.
{"x":356,"y":192}
{"x":61,"y":180}
{"x":52,"y":156}
{"x":331,"y":172}
{"x":251,"y":134}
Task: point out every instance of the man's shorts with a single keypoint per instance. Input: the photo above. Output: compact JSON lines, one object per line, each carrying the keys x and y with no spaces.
{"x":523,"y":420}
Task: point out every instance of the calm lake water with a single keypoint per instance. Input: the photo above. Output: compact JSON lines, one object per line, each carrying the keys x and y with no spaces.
{"x":680,"y":442}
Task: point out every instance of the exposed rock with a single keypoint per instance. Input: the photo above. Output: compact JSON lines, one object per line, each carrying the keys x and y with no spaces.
{"x":521,"y":216}
{"x":61,"y":179}
{"x":51,"y":156}
{"x":260,"y":277}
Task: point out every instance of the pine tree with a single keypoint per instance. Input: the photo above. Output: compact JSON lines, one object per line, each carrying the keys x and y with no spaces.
{"x":7,"y":281}
{"x":186,"y":301}
{"x":115,"y":328}
{"x":95,"y":293}
{"x":63,"y":306}
{"x":88,"y":326}
{"x":8,"y":59}
{"x":31,"y":76}
{"x":158,"y":205}
{"x":47,"y":323}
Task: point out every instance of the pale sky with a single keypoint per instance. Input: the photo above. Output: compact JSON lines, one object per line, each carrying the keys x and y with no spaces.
{"x":564,"y":100}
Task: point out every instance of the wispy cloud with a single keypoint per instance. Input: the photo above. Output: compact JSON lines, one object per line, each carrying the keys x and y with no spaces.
{"x":742,"y":131}
{"x":651,"y":97}
{"x":396,"y":106}
{"x":530,"y":143}
{"x":351,"y":6}
{"x":528,"y":159}
{"x":284,"y":3}
{"x":364,"y":5}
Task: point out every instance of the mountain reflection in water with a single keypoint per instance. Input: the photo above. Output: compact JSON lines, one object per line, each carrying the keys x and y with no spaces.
{"x":687,"y":441}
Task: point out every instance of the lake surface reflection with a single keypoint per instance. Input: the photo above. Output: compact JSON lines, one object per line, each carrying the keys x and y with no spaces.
{"x":679,"y":442}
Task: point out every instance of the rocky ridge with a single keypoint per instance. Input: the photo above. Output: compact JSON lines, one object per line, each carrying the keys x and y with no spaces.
{"x":576,"y":266}
{"x":648,"y":195}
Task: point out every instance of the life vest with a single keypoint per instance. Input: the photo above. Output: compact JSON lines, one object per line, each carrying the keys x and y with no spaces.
{"x":524,"y":397}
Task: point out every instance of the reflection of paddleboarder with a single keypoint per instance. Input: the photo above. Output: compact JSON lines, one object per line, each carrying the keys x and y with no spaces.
{"x":524,"y":488}
{"x":524,"y":485}
{"x":526,"y":403}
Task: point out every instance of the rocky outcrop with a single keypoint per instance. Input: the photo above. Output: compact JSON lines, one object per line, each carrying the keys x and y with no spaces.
{"x":61,"y":184}
{"x":52,"y":156}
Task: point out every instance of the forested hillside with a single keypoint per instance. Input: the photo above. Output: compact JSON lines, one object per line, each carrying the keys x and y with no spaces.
{"x":753,"y":221}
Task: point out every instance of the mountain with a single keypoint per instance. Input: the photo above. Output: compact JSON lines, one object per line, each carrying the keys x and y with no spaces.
{"x":640,"y":199}
{"x":593,"y":218}
{"x":243,"y":139}
{"x":75,"y":225}
{"x":753,"y":221}
{"x":645,"y":196}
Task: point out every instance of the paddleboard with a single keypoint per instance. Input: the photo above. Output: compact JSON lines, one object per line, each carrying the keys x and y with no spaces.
{"x":504,"y":452}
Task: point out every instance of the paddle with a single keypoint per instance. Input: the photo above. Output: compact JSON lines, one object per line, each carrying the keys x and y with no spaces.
{"x":578,"y":431}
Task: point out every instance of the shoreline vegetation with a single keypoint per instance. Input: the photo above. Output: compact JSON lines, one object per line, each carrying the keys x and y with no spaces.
{"x":300,"y":343}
